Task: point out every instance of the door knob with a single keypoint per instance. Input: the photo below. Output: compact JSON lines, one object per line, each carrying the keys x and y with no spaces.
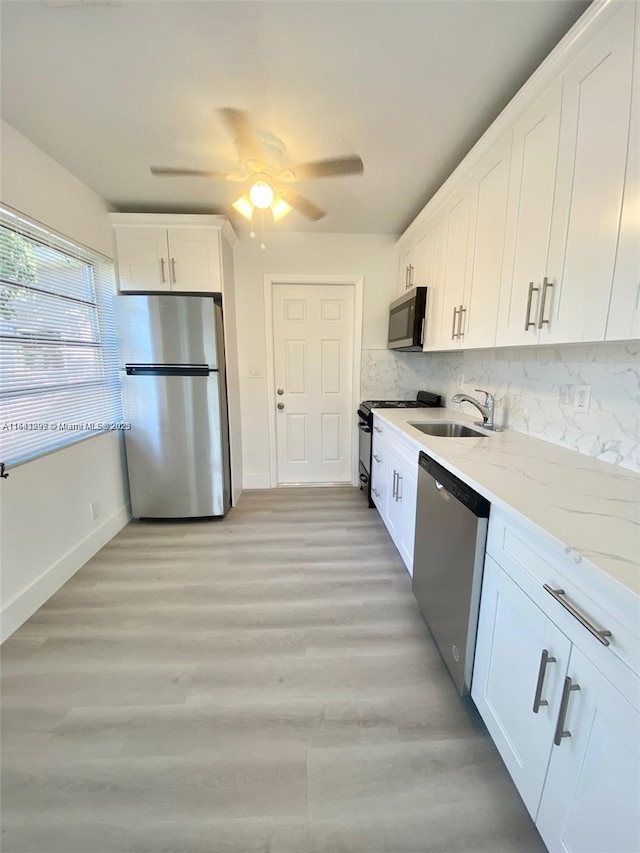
{"x":280,"y":392}
{"x":281,"y":405}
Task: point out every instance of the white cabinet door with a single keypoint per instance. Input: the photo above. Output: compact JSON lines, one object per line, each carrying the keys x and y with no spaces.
{"x":143,"y":262}
{"x":408,"y":499}
{"x":513,"y":634}
{"x":457,"y":226}
{"x":393,"y":502}
{"x":591,"y":799}
{"x":594,"y":135}
{"x":406,"y":268}
{"x":194,"y":257}
{"x":529,"y":215}
{"x":624,"y":309}
{"x":491,"y":181}
{"x":429,"y":264}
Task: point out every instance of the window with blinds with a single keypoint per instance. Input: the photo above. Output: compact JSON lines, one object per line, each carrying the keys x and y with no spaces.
{"x":58,"y":358}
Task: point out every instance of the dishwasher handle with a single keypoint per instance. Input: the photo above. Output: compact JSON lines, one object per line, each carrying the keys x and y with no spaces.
{"x":449,"y":486}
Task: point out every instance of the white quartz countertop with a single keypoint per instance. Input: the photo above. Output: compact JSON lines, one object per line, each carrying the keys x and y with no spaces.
{"x":590,"y":507}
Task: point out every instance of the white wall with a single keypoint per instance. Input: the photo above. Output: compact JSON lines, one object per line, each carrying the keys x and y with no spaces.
{"x":373,"y":256}
{"x":46,"y":529}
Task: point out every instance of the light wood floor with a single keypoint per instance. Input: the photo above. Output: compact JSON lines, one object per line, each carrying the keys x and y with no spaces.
{"x":263,"y":684}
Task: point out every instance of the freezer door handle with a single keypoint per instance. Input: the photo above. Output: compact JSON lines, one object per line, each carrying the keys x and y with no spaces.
{"x":168,"y":370}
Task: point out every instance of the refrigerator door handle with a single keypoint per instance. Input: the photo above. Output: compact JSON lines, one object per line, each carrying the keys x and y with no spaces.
{"x":169,"y":370}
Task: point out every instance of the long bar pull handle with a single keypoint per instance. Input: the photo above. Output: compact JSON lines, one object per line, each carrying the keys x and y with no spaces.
{"x":527,"y":320}
{"x":163,"y":271}
{"x":173,"y":270}
{"x":546,"y":284}
{"x":411,"y":268}
{"x":398,"y":493}
{"x":538,"y":701}
{"x":453,"y":327}
{"x":599,"y":634}
{"x":561,"y":732}
{"x":463,"y":311}
{"x":406,"y":278}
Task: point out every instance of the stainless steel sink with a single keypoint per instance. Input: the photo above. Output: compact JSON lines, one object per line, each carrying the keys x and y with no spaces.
{"x":446,"y":429}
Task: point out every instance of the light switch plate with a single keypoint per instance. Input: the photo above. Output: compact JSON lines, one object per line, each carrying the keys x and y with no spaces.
{"x":255,"y":372}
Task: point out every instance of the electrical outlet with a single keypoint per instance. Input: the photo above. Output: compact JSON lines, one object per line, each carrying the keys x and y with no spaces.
{"x":94,"y":506}
{"x":255,"y":372}
{"x":460,"y":386}
{"x":582,"y":398}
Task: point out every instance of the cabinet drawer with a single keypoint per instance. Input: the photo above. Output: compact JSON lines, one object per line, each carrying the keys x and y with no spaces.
{"x":590,"y":598}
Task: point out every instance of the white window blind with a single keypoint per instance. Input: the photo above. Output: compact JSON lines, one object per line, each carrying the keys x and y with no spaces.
{"x":58,"y":359}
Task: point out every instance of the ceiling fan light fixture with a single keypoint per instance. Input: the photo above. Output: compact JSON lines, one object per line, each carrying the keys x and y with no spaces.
{"x":244,"y":206}
{"x":261,"y":195}
{"x":280,"y":208}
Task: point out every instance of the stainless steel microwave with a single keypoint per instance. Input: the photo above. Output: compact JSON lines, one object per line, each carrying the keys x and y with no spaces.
{"x":407,"y":317}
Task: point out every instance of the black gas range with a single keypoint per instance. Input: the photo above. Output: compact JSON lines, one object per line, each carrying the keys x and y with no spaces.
{"x":424,"y":399}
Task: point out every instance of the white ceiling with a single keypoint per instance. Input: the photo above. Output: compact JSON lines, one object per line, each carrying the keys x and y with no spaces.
{"x":109,"y":88}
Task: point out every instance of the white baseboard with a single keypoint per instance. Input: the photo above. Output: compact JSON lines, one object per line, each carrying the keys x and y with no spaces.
{"x":25,"y":604}
{"x":256,"y":481}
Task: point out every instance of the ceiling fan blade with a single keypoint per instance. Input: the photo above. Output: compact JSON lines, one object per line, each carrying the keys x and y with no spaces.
{"x":303,"y":205}
{"x":349,"y":165}
{"x":170,"y":172}
{"x":240,"y":128}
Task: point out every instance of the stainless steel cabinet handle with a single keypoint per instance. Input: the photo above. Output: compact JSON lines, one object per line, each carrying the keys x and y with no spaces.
{"x":376,"y":492}
{"x":398,"y":494}
{"x":281,"y":405}
{"x":453,"y":327}
{"x":173,"y":270}
{"x":538,"y":702}
{"x":411,"y":269}
{"x":546,"y":284}
{"x":561,"y":732}
{"x":395,"y":483}
{"x":406,"y":278}
{"x":163,"y":271}
{"x":377,"y":458}
{"x":527,"y":319}
{"x":280,"y":392}
{"x":599,"y":634}
{"x":377,"y":429}
{"x":463,"y":310}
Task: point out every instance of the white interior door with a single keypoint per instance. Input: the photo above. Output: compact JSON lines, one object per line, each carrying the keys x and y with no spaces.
{"x":313,"y":332}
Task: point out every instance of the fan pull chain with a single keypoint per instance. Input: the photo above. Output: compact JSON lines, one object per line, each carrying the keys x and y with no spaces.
{"x":262,"y":244}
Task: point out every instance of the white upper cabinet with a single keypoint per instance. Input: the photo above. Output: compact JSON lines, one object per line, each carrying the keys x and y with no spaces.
{"x":594,"y":136}
{"x":624,"y":310}
{"x":143,"y":260}
{"x":457,"y":224}
{"x":157,"y":252}
{"x":406,"y":268}
{"x":491,"y":186}
{"x":530,"y":208}
{"x":194,"y":256}
{"x":539,"y":240}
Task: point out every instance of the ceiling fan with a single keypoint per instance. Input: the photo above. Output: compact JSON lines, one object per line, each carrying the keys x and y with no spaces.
{"x":263,"y":169}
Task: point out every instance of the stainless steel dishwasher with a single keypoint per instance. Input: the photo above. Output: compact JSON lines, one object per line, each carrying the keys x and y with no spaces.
{"x":451,"y":533}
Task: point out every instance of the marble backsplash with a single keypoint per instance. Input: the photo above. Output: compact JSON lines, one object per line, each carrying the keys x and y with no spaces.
{"x":529,"y":385}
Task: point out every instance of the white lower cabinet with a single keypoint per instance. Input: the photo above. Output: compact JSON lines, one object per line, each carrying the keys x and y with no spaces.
{"x":394,"y":486}
{"x":591,"y":797}
{"x":561,"y":707}
{"x":513,"y":635}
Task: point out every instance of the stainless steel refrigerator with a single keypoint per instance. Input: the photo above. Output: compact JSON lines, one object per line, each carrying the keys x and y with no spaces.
{"x":175,"y":398}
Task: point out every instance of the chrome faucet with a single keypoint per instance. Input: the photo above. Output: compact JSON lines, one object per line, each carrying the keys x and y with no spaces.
{"x":485,"y":410}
